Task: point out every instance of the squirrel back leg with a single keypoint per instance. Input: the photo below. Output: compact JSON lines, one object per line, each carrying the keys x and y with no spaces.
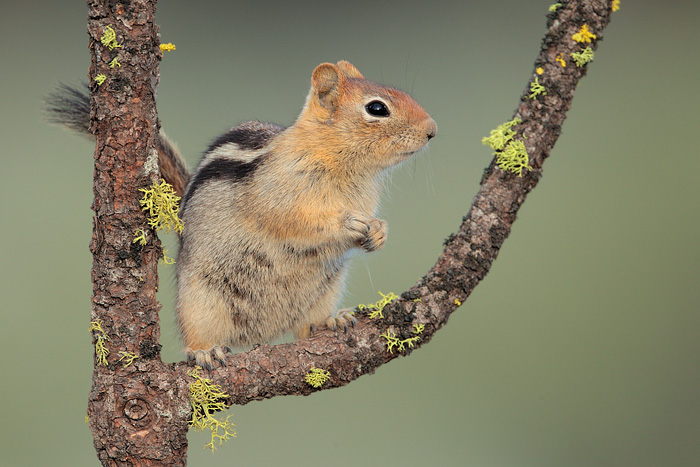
{"x":323,"y":314}
{"x":369,"y":233}
{"x":204,"y":322}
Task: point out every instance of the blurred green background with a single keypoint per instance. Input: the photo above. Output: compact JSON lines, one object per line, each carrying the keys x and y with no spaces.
{"x":580,"y":348}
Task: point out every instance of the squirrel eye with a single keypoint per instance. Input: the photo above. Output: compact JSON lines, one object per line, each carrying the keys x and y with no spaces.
{"x":377,"y":109}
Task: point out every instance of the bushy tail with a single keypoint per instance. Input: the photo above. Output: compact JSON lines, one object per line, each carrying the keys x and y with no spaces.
{"x":69,"y":106}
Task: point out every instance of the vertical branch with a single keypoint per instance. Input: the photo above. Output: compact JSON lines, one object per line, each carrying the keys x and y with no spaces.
{"x":124,"y":121}
{"x":134,"y":409}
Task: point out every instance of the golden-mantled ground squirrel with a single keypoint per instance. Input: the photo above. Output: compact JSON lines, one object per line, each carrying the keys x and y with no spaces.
{"x":273,"y":214}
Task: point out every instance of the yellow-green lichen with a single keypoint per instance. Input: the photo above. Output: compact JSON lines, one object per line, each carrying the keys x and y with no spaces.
{"x":514,"y":158}
{"x":501,"y":136}
{"x":418,"y":328}
{"x":114,"y":63}
{"x":109,"y":38}
{"x":101,"y":337}
{"x":400,"y":344}
{"x":537,"y":89}
{"x":101,"y":78}
{"x":128,"y":357}
{"x":553,"y":7}
{"x":167,"y":260}
{"x":511,"y":155}
{"x":161,"y":202}
{"x":206,"y":398}
{"x":140,"y":237}
{"x":375,"y":309}
{"x":582,"y":57}
{"x":317,"y":377}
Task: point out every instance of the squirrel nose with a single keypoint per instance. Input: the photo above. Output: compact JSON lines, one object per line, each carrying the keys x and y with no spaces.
{"x":431,"y":129}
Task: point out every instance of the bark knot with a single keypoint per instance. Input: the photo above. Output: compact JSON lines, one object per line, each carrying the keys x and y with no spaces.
{"x":137,"y":411}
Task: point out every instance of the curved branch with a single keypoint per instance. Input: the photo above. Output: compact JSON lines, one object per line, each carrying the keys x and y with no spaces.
{"x":269,"y":371}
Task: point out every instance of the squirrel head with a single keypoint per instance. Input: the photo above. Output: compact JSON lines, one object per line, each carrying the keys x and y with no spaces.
{"x":357,"y":124}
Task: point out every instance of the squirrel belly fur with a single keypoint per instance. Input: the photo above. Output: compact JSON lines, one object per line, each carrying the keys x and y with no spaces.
{"x":272,"y":215}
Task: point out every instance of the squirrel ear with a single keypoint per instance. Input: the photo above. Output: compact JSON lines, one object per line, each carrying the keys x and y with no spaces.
{"x":350,"y":70}
{"x":327,"y":82}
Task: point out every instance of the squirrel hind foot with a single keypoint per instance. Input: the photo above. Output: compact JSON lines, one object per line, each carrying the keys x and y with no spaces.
{"x":205,"y":358}
{"x":342,"y":320}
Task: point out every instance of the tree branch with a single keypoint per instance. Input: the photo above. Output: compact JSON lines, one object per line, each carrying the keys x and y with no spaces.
{"x":139,"y":412}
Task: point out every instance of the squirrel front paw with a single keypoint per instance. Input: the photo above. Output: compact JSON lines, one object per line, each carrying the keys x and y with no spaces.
{"x":206,"y":357}
{"x":369,"y":233}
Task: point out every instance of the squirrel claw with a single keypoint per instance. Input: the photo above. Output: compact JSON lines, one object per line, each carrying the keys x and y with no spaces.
{"x":205,"y":357}
{"x":342,"y":319}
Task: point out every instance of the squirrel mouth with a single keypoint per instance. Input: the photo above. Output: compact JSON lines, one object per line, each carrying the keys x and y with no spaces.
{"x":405,"y":154}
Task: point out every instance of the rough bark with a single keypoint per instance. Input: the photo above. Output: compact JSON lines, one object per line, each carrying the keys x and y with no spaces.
{"x":139,"y":412}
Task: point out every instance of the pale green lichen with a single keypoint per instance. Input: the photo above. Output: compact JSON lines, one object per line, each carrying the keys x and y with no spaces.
{"x":553,"y":7}
{"x":128,"y":357}
{"x":511,"y":155}
{"x":161,"y":202}
{"x":375,"y":309}
{"x":514,"y":158}
{"x":317,"y":377}
{"x":101,"y":352}
{"x":582,"y":57}
{"x":207,"y":398}
{"x":501,"y":136}
{"x":537,"y":89}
